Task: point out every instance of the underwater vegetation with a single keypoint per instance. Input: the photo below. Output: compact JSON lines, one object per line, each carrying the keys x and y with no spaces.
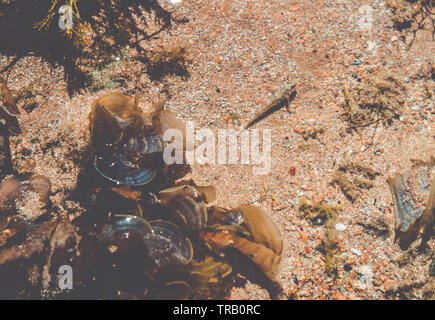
{"x":128,"y":144}
{"x":84,"y":36}
{"x":132,"y":228}
{"x":412,"y":15}
{"x":353,"y":178}
{"x":321,"y":213}
{"x":379,"y":98}
{"x":193,"y":257}
{"x":167,"y":246}
{"x":184,"y":241}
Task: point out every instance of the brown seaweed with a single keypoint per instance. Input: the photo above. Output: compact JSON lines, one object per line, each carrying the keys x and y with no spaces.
{"x":128,"y":144}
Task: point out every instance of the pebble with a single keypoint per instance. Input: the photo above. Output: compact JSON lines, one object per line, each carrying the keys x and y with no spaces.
{"x":304,"y":236}
{"x":340,"y":227}
{"x":371,"y":47}
{"x":176,"y":1}
{"x":356,"y":251}
{"x":366,"y":271}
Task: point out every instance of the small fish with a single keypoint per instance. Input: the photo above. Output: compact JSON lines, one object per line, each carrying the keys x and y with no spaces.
{"x":8,"y":102}
{"x":277,"y":100}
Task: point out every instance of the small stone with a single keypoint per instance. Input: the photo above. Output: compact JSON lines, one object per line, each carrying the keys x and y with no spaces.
{"x":366,"y":271}
{"x":176,"y":1}
{"x":340,"y":227}
{"x":356,"y":251}
{"x":371,"y":47}
{"x":304,"y":236}
{"x":394,"y":38}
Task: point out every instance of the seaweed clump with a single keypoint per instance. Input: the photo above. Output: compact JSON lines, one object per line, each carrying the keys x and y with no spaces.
{"x":412,"y":14}
{"x":379,"y":98}
{"x":317,"y":212}
{"x":353,"y":177}
{"x":82,"y":36}
{"x":329,"y":247}
{"x":327,"y":215}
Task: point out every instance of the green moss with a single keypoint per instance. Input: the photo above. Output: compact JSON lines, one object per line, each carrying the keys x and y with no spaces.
{"x":317,"y":213}
{"x":235,"y":117}
{"x":353,"y":178}
{"x":27,"y":92}
{"x":350,"y":190}
{"x":363,"y":183}
{"x":303,"y":147}
{"x":329,"y":248}
{"x":322,"y":213}
{"x":331,"y":266}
